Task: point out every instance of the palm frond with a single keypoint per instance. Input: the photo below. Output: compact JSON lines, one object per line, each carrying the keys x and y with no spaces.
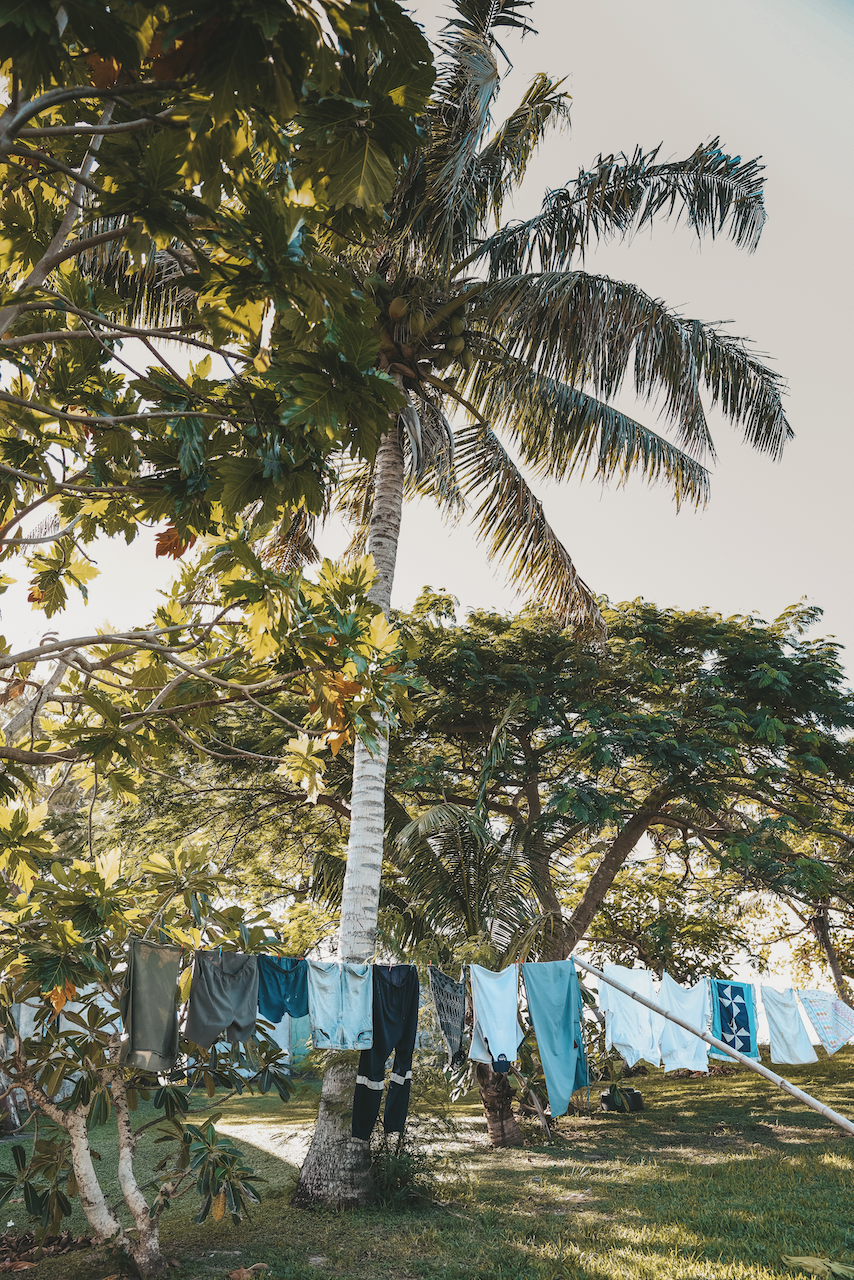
{"x":463,"y":880}
{"x":590,"y":331}
{"x":715,"y":193}
{"x":292,"y":546}
{"x":484,"y":15}
{"x":442,"y":199}
{"x":502,"y":163}
{"x":744,"y":389}
{"x":514,"y":527}
{"x":561,"y":431}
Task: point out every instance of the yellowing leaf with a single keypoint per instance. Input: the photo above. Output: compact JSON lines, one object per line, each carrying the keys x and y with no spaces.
{"x":59,"y":996}
{"x":184,"y":984}
{"x":218,"y":1207}
{"x":381,"y":635}
{"x":108,"y":866}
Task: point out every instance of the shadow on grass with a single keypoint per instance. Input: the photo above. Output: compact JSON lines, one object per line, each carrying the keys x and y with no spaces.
{"x":714,"y":1180}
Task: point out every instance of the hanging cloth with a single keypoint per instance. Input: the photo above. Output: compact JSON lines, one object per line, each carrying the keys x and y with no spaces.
{"x":630,"y":1028}
{"x":554,"y":1003}
{"x":223,"y":998}
{"x":788,"y":1034}
{"x":496,"y":1034}
{"x":831,"y":1017}
{"x":340,"y":1004}
{"x":449,"y":998}
{"x":734,"y":1018}
{"x":680,"y":1051}
{"x":148,"y":1006}
{"x":395,"y":1023}
{"x":282,"y":987}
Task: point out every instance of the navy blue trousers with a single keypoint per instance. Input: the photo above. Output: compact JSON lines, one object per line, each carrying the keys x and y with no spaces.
{"x":395,"y":1024}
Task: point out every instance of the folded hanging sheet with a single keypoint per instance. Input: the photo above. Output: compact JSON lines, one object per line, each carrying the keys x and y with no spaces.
{"x":496,"y":1034}
{"x":449,"y":998}
{"x":223,"y":998}
{"x":340,"y":1005}
{"x":680,"y":1050}
{"x":554,"y":1003}
{"x":630,"y":1028}
{"x":148,"y":1005}
{"x":282,"y":987}
{"x":832,"y":1019}
{"x":788,"y":1034}
{"x":734,"y":1018}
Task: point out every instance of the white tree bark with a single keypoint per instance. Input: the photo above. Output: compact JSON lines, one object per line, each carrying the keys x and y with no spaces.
{"x":336,"y":1170}
{"x":359,"y":906}
{"x":146,"y":1251}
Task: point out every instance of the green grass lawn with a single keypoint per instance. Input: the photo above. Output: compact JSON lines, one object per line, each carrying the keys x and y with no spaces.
{"x":716,"y":1178}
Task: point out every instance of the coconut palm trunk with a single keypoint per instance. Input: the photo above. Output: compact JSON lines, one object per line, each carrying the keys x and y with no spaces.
{"x":508,"y":326}
{"x":336,"y":1170}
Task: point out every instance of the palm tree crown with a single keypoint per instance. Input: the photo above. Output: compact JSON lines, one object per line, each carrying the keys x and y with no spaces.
{"x":509,"y":327}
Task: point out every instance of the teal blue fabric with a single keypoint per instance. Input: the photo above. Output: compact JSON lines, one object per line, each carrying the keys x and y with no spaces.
{"x":554,"y":1003}
{"x":734,"y":1018}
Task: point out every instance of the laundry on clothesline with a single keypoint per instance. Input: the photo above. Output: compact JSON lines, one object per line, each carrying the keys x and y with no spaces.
{"x":734,"y":1018}
{"x":449,"y":999}
{"x":496,"y":1033}
{"x":149,"y":1006}
{"x":631,"y":1028}
{"x":833,"y":1020}
{"x":680,"y":1050}
{"x":554,"y":1003}
{"x":223,"y":998}
{"x":395,"y":1023}
{"x":282,"y":987}
{"x":340,"y":1004}
{"x":789,"y":1040}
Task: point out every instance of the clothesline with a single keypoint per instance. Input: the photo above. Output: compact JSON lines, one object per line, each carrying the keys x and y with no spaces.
{"x":374,"y":1008}
{"x":751,"y":1063}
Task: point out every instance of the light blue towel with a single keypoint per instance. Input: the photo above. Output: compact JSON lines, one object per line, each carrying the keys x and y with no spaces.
{"x":554,"y":1003}
{"x":340,"y":1005}
{"x":496,"y":1034}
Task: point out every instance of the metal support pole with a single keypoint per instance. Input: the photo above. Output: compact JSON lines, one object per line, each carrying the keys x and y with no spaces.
{"x":827,"y":1112}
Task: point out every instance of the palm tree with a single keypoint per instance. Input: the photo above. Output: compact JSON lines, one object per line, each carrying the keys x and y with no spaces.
{"x":510,"y":328}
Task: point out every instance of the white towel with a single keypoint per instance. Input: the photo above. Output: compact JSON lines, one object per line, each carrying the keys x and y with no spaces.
{"x":789,"y":1039}
{"x":679,"y":1049}
{"x":630,"y":1028}
{"x":495,"y":998}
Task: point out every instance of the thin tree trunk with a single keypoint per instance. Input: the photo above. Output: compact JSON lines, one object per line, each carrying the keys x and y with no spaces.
{"x":336,"y":1170}
{"x":98,"y":1213}
{"x":821,"y":928}
{"x":360,"y":901}
{"x":603,"y":876}
{"x":497,"y":1096}
{"x":146,"y":1251}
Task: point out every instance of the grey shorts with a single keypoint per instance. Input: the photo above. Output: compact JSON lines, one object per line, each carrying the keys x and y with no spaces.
{"x":223,"y":997}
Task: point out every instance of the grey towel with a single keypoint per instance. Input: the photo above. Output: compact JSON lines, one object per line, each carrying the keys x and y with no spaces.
{"x":149,"y":1007}
{"x":223,"y":997}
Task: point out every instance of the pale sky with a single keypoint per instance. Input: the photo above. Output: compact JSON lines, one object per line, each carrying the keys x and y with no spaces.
{"x":772,"y":78}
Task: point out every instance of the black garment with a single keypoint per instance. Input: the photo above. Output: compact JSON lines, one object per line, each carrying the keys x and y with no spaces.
{"x":395,"y":990}
{"x":223,"y":998}
{"x":449,"y":997}
{"x":282,"y":987}
{"x":148,"y":1006}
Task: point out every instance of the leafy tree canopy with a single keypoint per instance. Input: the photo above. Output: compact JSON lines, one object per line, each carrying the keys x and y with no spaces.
{"x":166,"y":171}
{"x":534,"y":767}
